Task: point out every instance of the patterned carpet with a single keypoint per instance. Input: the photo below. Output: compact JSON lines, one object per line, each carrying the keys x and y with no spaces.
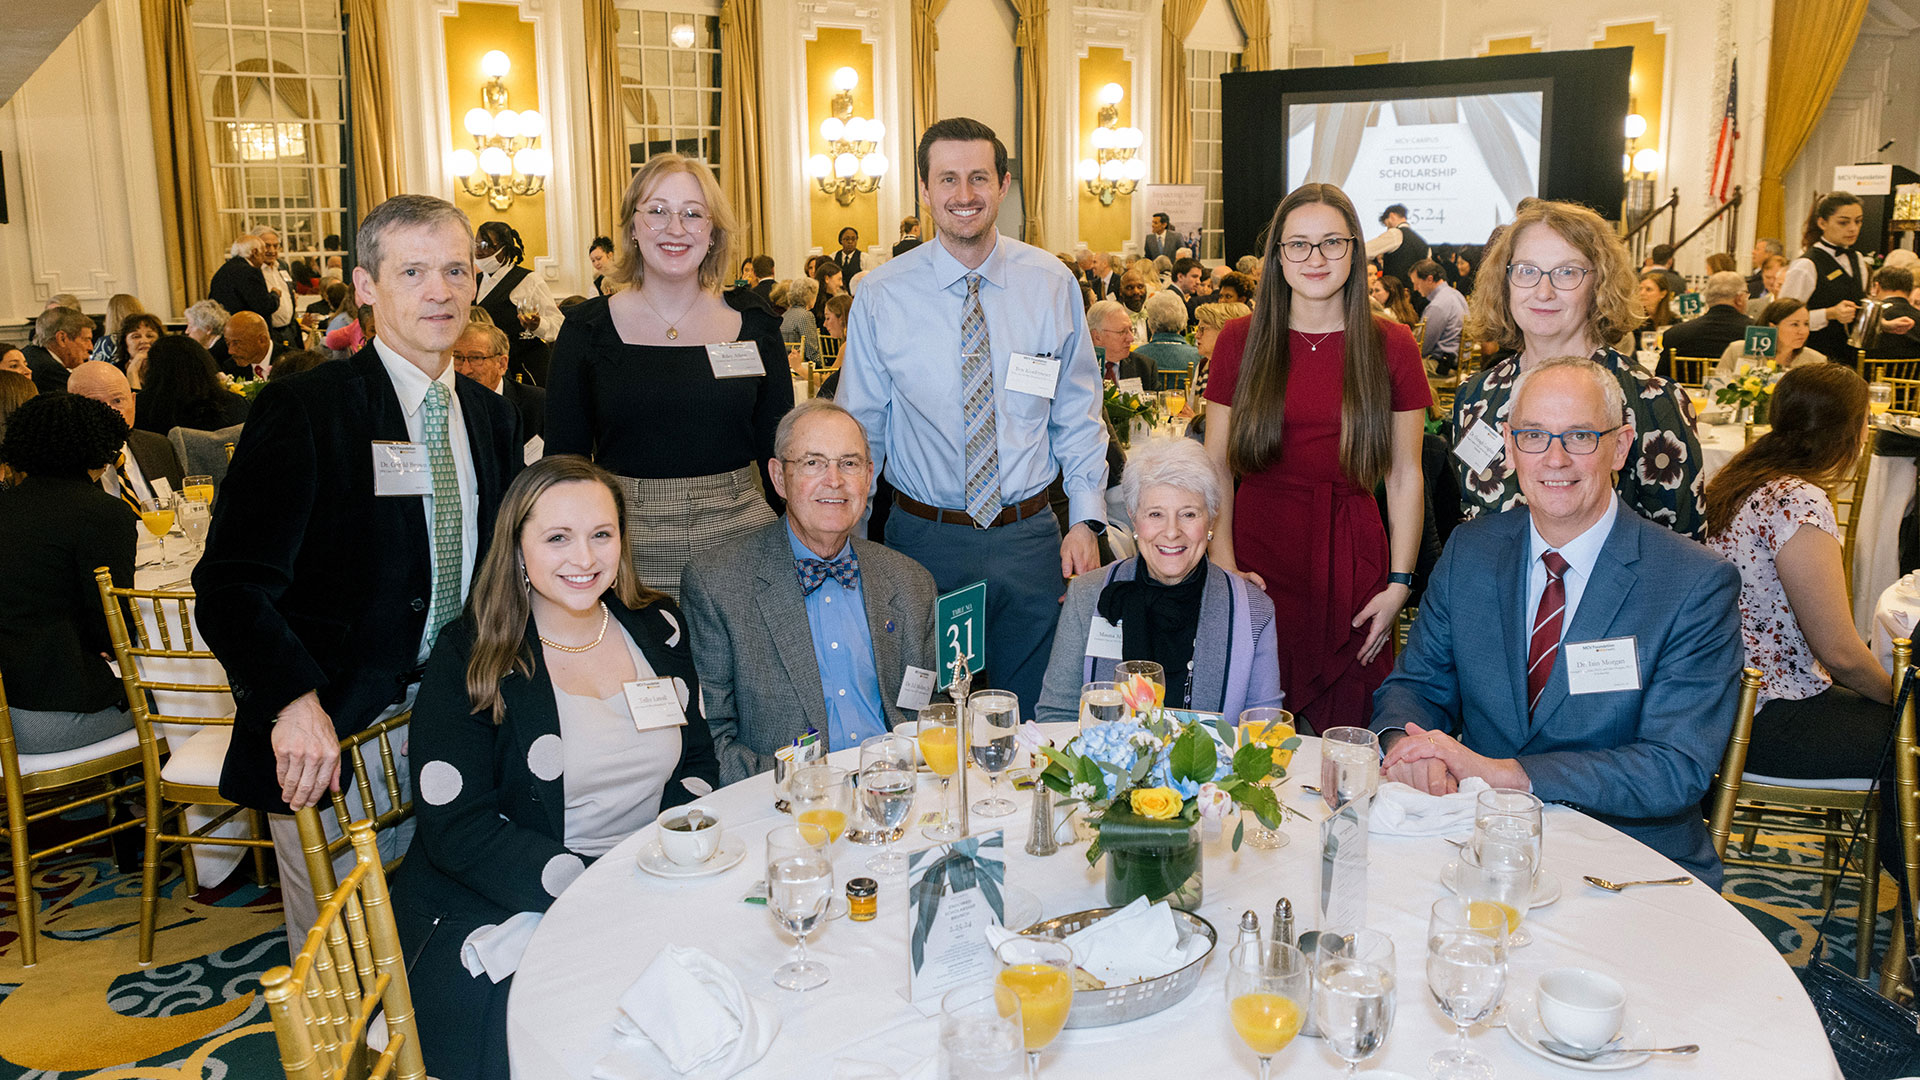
{"x":88,"y":1010}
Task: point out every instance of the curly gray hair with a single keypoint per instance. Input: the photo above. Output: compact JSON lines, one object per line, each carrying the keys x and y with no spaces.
{"x":1166,"y":312}
{"x":1175,"y":463}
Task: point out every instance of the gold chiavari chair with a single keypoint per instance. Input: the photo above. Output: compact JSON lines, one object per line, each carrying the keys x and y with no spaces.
{"x":829,"y":351}
{"x":1882,"y":370}
{"x":1849,"y":498}
{"x":318,"y":851}
{"x":182,"y":708}
{"x":1906,"y":802}
{"x":1835,"y":809}
{"x":350,"y":968}
{"x":1906,"y":395}
{"x":1693,"y":370}
{"x":32,"y":774}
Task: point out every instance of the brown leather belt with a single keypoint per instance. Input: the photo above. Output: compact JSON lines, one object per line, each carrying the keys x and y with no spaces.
{"x":1026,"y":508}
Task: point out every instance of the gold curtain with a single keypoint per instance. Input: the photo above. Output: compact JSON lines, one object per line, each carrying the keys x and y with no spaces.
{"x":1030,"y":37}
{"x":1811,"y":42}
{"x":926,"y":105}
{"x":743,"y":172}
{"x":607,"y":161}
{"x":376,"y":128}
{"x":1253,"y":23}
{"x":184,"y":171}
{"x":1173,"y":135}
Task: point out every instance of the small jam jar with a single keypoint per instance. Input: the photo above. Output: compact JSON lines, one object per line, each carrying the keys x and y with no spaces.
{"x":862,"y":899}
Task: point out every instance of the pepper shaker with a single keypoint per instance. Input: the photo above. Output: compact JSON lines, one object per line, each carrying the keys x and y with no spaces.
{"x":1041,"y":841}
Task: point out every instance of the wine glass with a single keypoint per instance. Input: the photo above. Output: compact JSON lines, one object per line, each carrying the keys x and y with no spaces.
{"x":1143,"y":684}
{"x":799,"y":883}
{"x":529,"y":310}
{"x":1353,"y":993}
{"x":821,"y":799}
{"x":1510,"y":816}
{"x":1268,"y":727}
{"x":886,"y":794}
{"x":1101,"y":703}
{"x":992,"y":718}
{"x":1269,"y":986}
{"x":194,"y":519}
{"x":1467,"y":972}
{"x":198,"y":487}
{"x":1879,"y":398}
{"x":1349,"y":765}
{"x":940,"y":746}
{"x":1040,"y":971}
{"x":157,"y":516}
{"x":1499,"y":877}
{"x":980,"y":1034}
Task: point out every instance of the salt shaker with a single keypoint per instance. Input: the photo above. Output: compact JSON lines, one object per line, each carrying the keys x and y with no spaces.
{"x":1041,"y":841}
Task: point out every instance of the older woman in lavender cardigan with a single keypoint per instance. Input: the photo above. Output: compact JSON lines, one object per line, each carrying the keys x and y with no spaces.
{"x":1210,"y":630}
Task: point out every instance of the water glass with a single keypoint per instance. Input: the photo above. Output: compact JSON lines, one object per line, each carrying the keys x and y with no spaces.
{"x":1499,"y":878}
{"x":1269,"y":988}
{"x":1143,"y":684}
{"x":993,"y":716}
{"x":1467,"y":973}
{"x":1101,"y":703}
{"x":799,"y":884}
{"x":1511,"y":816}
{"x":1353,"y":993}
{"x":940,"y":748}
{"x":886,"y":795}
{"x":788,"y":760}
{"x":1349,"y":765}
{"x":1267,"y":727}
{"x":195,"y":518}
{"x":1040,"y":971}
{"x":980,"y":1034}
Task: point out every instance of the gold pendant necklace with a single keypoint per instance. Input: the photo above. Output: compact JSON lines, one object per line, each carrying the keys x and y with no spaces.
{"x":673,"y":333}
{"x":605,"y":614}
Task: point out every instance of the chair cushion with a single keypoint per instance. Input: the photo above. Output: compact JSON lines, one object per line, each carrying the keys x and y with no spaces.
{"x":1854,"y":784}
{"x":33,"y":763}
{"x":204,"y":453}
{"x":198,"y":759}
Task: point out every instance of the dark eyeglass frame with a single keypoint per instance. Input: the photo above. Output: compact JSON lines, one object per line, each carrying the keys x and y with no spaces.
{"x":1306,"y":250}
{"x":1577,"y":273}
{"x":1550,"y":436}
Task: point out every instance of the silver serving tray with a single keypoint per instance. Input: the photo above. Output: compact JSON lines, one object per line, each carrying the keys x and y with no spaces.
{"x":1130,"y":1001}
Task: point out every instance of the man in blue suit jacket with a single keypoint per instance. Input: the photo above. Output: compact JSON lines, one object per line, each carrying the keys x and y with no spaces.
{"x":1648,"y":620}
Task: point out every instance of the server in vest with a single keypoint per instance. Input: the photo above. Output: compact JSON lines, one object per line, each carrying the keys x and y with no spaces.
{"x":1399,"y":247}
{"x":1829,"y":275}
{"x":515,"y":299}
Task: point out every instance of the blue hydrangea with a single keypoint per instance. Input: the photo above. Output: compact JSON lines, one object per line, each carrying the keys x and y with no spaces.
{"x":1110,"y":742}
{"x":1162,"y":776}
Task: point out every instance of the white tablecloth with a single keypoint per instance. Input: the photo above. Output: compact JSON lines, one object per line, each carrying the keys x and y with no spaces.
{"x":1718,"y":444}
{"x":1697,"y":970}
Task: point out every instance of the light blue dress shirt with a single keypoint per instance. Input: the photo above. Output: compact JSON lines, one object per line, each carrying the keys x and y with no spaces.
{"x":843,"y":650}
{"x":900,"y":376}
{"x":1581,"y":553}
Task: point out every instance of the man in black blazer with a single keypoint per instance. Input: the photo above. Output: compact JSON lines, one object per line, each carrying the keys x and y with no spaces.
{"x":1893,"y":286}
{"x":62,"y":341}
{"x":909,"y":236}
{"x":239,"y":285}
{"x":327,"y":574}
{"x":145,"y":456}
{"x":1708,"y":334}
{"x":481,"y":355}
{"x":848,"y":257}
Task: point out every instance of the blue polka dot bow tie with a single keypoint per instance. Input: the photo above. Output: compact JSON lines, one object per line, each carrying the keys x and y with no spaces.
{"x":814,"y":572}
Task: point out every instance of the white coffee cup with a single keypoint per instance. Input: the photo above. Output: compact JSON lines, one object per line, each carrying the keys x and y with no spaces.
{"x":689,"y":846}
{"x":1581,"y":1008}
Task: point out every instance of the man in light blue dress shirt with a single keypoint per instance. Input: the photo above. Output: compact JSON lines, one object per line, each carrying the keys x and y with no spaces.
{"x":971,"y":447}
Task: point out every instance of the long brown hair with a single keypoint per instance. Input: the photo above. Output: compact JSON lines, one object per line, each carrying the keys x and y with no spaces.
{"x":1823,"y":207}
{"x":1260,"y":397}
{"x":1662,"y":313}
{"x":500,"y":600}
{"x":1615,"y":307}
{"x":1818,"y":414}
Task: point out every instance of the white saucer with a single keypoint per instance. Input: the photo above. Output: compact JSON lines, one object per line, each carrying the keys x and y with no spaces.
{"x":654,"y":861}
{"x":1523,"y":1023}
{"x":1546,"y":887}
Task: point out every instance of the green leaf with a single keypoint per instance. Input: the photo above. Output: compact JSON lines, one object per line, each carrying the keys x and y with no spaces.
{"x":1239,"y":831}
{"x":1252,"y":763}
{"x":1193,"y":757}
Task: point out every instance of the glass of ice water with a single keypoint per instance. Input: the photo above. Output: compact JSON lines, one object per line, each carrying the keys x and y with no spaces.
{"x":799,"y":884}
{"x":1349,"y":765}
{"x":993,"y":716}
{"x":980,"y":1034}
{"x":1510,"y":816}
{"x":886,"y":795}
{"x":1101,"y":703}
{"x":1467,"y":973}
{"x":1353,"y":993}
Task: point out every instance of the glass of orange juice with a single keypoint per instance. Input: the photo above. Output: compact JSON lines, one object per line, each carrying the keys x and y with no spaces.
{"x":1268,"y":988}
{"x":198,"y":487}
{"x":157,"y":516}
{"x":821,"y":797}
{"x":1040,"y":971}
{"x":1268,"y":727}
{"x":1879,"y":398}
{"x":940,"y":747}
{"x":1497,"y":881}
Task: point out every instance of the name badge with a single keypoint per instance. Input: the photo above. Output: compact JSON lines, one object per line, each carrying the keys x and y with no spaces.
{"x":654,"y":704}
{"x":1480,"y":446}
{"x":401,"y":468}
{"x":1835,"y":274}
{"x":1032,"y":374}
{"x":1595,"y":667}
{"x":1131,"y":386}
{"x":161,"y":489}
{"x":1103,"y":639}
{"x":916,"y":689}
{"x":735,"y":360}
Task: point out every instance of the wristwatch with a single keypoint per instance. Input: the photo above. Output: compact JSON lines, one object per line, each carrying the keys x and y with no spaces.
{"x":1099,"y":527}
{"x":1400,"y":579}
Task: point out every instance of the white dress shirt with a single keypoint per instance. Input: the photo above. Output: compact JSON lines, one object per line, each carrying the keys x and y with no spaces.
{"x":530,"y":290}
{"x":277,"y":281}
{"x":410,"y":386}
{"x":1581,"y":553}
{"x":1801,"y":279}
{"x":110,"y":480}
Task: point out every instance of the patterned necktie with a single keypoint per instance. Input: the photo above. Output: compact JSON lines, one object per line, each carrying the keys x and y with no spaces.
{"x":127,"y":494}
{"x":446,"y":510}
{"x":815,"y":572}
{"x":976,"y":384}
{"x":1545,"y":643}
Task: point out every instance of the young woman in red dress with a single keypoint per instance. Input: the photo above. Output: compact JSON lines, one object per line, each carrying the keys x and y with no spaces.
{"x":1312,"y":404}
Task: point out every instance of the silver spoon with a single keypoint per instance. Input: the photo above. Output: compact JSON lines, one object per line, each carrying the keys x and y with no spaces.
{"x":1616,"y":886}
{"x":1577,"y":1054}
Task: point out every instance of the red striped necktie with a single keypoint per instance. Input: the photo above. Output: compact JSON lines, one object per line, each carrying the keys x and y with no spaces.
{"x":1545,"y":643}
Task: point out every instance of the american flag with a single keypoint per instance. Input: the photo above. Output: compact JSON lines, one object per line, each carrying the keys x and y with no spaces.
{"x":1720,"y":177}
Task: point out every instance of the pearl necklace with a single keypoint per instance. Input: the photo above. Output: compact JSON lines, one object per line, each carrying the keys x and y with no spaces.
{"x":605,"y":614}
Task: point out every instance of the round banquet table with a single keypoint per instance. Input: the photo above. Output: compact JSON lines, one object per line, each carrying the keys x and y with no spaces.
{"x":1694,"y":967}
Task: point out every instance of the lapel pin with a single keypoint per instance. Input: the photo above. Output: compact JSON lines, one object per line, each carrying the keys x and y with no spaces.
{"x":889,"y":626}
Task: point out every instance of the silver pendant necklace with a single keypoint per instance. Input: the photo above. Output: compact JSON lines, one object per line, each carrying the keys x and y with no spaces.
{"x":1312,"y":344}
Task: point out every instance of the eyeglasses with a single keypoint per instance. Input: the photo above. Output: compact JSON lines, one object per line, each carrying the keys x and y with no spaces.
{"x":1333,"y":247}
{"x":816,"y":465}
{"x":692,"y":218}
{"x":1564,"y":278}
{"x":1579,"y":442}
{"x":474,"y":358}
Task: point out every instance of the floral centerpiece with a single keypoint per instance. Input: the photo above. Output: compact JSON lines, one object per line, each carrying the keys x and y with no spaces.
{"x":1751,"y":388}
{"x":1148,"y":783}
{"x":1123,"y":407}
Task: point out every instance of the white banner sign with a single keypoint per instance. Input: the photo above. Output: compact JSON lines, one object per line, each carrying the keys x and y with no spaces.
{"x":1864,"y":179}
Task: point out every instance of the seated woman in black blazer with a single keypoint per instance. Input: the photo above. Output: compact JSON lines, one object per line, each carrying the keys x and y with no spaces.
{"x":56,"y":526}
{"x":527,"y":764}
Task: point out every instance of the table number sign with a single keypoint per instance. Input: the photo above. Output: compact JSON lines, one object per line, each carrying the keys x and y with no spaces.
{"x":959,"y":627}
{"x":1343,"y":865}
{"x":1690,"y":304}
{"x":1763,"y":341}
{"x":954,"y":890}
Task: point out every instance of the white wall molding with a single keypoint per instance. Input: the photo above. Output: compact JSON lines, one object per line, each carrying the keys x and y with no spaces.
{"x":1113,"y":24}
{"x":1539,"y":37}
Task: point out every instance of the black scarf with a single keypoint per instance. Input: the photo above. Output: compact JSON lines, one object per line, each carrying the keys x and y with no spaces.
{"x":1158,"y":622}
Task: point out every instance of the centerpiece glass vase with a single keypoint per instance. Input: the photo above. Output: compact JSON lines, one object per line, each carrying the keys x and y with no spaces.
{"x":1160,"y":860}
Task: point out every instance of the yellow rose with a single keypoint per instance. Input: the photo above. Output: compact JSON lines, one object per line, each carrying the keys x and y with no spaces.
{"x":1158,"y":803}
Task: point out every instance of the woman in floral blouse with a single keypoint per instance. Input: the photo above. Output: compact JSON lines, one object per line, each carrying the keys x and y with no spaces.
{"x":1558,"y":282}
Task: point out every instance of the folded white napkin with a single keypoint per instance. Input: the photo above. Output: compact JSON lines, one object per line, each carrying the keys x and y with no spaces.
{"x":1140,"y":941}
{"x":851,"y":1069}
{"x":690,"y":1013}
{"x":496,"y":947}
{"x":1399,"y":810}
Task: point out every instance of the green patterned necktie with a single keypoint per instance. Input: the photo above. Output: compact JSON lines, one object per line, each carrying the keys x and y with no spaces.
{"x":446,"y":512}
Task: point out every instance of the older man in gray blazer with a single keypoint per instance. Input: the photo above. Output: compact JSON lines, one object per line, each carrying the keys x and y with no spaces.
{"x":799,"y":625}
{"x":1595,"y":652}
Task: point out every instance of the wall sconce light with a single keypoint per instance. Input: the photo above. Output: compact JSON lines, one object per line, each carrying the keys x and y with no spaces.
{"x":853,"y":164}
{"x":1116,"y":167}
{"x":506,"y":159}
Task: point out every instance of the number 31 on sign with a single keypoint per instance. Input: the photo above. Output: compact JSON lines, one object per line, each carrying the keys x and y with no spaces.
{"x":959,"y":625}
